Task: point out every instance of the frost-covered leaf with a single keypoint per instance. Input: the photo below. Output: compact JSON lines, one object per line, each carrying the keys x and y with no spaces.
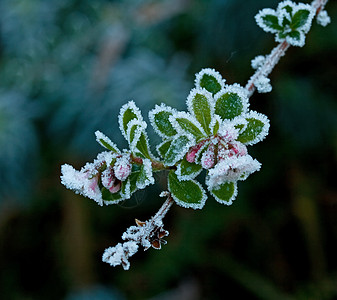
{"x":145,"y":176}
{"x":186,"y":124}
{"x":163,"y":147}
{"x":210,"y":80}
{"x":225,"y":193}
{"x":127,"y":113}
{"x":215,"y":124}
{"x":201,"y":151}
{"x":178,"y":149}
{"x":201,"y":105}
{"x":256,"y":129}
{"x":188,"y":194}
{"x":142,"y":148}
{"x":296,"y":35}
{"x":300,"y":18}
{"x":267,"y":19}
{"x":271,"y":21}
{"x":134,"y":131}
{"x":159,"y":118}
{"x":231,"y":103}
{"x":104,"y":141}
{"x":109,"y":198}
{"x":186,"y":170}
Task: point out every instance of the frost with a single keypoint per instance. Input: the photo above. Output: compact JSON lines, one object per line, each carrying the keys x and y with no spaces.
{"x":289,"y":22}
{"x":258,"y":61}
{"x":147,"y":165}
{"x":109,"y":181}
{"x":122,"y":167}
{"x":184,"y":177}
{"x":134,"y":130}
{"x":208,"y":157}
{"x":265,"y":129}
{"x":196,"y":205}
{"x":211,"y":72}
{"x":152,"y":114}
{"x":135,"y":110}
{"x":230,"y":200}
{"x":84,"y":182}
{"x":203,"y":92}
{"x":195,"y":129}
{"x":232,"y":169}
{"x":104,"y":141}
{"x":323,"y":18}
{"x":263,"y":85}
{"x":147,"y":234}
{"x":120,"y":254}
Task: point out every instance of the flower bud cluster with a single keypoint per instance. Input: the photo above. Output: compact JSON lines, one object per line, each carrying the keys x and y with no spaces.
{"x":108,"y":171}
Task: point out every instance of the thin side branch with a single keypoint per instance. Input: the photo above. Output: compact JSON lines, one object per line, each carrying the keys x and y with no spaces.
{"x":273,"y":58}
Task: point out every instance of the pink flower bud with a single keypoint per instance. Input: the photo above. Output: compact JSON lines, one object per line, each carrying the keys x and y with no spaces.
{"x":122,"y":168}
{"x":238,"y":149}
{"x":208,"y":157}
{"x":109,"y":180}
{"x":190,"y":156}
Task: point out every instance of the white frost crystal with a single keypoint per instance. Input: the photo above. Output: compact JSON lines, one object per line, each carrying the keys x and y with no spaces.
{"x":258,"y":61}
{"x":263,"y":85}
{"x":232,"y":169}
{"x":323,"y":18}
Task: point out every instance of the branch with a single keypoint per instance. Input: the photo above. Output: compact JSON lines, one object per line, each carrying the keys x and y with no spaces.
{"x":273,"y":58}
{"x":148,"y":234}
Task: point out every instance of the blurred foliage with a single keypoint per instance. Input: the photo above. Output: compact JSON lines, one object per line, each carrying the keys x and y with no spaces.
{"x":66,"y":67}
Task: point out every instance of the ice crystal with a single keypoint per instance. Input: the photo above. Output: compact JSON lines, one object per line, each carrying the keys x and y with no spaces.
{"x":323,"y":18}
{"x":263,"y":85}
{"x":258,"y":61}
{"x":232,"y":169}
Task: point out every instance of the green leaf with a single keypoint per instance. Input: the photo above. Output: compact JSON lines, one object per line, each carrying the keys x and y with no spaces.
{"x":187,"y":126}
{"x":271,"y":21}
{"x":299,"y":19}
{"x":210,"y":83}
{"x":145,"y":176}
{"x":225,"y":193}
{"x":163,"y":147}
{"x":127,"y":117}
{"x":256,"y":129}
{"x":188,"y":194}
{"x":201,"y":108}
{"x":128,"y":112}
{"x":111,"y":198}
{"x":187,"y":170}
{"x":216,"y":126}
{"x":105,"y":142}
{"x":133,"y":132}
{"x":229,"y":105}
{"x":143,"y":146}
{"x":161,"y":122}
{"x":295,"y":35}
{"x":177,"y":150}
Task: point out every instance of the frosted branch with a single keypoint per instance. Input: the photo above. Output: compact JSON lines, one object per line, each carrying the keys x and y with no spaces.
{"x":264,"y":68}
{"x":147,"y":234}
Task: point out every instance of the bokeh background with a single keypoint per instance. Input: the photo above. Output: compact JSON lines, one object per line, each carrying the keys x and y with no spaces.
{"x":67,"y":66}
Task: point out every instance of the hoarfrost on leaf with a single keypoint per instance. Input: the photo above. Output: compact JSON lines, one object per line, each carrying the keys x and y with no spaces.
{"x":289,"y":22}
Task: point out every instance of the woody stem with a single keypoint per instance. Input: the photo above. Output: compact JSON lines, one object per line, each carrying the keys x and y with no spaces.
{"x":164,"y":208}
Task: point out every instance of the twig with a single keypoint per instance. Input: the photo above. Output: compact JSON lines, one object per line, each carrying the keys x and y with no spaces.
{"x":273,"y":58}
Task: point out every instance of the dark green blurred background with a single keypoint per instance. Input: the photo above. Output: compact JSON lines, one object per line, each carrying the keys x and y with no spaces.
{"x":67,"y":66}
